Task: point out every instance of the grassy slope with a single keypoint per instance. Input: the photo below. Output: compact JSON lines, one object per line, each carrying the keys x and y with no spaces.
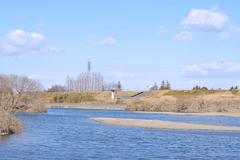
{"x":174,"y":100}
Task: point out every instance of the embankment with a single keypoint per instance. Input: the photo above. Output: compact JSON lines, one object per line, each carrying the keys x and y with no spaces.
{"x":87,"y":106}
{"x":193,"y":101}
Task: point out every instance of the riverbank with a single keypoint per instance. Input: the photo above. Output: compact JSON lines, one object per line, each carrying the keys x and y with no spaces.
{"x":191,"y":101}
{"x":158,"y":124}
{"x":237,"y":115}
{"x":87,"y":106}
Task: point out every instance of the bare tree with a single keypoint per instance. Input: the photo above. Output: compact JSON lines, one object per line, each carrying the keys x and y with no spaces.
{"x":16,"y":90}
{"x":86,"y":82}
{"x":57,"y":88}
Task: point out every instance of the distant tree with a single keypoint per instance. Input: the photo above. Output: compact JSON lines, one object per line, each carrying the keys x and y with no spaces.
{"x":154,"y":87}
{"x":198,"y":87}
{"x":68,"y":83}
{"x":110,"y":86}
{"x":57,"y":88}
{"x":236,"y":87}
{"x":231,"y":88}
{"x":119,"y":86}
{"x":168,"y":86}
{"x":163,"y":86}
{"x":204,"y":88}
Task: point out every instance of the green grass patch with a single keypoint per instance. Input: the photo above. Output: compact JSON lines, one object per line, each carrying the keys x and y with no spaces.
{"x":190,"y":93}
{"x":71,"y":97}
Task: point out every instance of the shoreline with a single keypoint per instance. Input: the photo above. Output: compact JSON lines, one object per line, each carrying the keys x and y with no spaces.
{"x":159,"y":124}
{"x":216,"y":114}
{"x":5,"y":133}
{"x":87,"y":106}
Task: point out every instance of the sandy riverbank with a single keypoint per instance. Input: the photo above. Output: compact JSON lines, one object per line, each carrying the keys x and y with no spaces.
{"x":194,"y":114}
{"x":87,"y":106}
{"x":158,"y":124}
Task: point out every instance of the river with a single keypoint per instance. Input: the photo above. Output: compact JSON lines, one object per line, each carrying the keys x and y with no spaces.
{"x":69,"y":134}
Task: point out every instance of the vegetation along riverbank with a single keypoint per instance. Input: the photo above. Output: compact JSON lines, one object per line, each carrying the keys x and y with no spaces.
{"x":196,"y":101}
{"x":18,"y":94}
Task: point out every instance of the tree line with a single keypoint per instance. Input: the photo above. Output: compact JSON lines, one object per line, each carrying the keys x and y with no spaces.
{"x":164,"y":86}
{"x":86,"y":82}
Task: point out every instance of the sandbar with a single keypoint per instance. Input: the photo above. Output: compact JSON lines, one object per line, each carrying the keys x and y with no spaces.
{"x":237,"y":115}
{"x":159,"y":124}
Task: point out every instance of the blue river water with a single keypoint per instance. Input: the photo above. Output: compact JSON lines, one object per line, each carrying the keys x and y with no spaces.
{"x":69,"y":134}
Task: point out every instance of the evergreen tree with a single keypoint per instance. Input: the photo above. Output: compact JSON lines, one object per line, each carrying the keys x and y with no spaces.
{"x":236,"y":87}
{"x":231,"y":88}
{"x":168,"y":86}
{"x":154,"y":87}
{"x":119,"y":86}
{"x":197,"y":87}
{"x":163,"y":86}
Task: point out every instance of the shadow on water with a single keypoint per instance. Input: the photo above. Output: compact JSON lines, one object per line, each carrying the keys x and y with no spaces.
{"x":4,"y":137}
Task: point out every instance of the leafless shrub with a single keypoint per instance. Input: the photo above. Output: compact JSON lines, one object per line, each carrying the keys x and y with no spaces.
{"x":9,"y":124}
{"x":198,"y":104}
{"x":183,"y":104}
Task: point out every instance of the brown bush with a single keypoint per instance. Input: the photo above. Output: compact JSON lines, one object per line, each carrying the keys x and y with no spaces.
{"x":8,"y":123}
{"x":186,"y":105}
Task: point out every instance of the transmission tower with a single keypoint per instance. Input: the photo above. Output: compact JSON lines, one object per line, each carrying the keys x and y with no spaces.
{"x":89,"y":66}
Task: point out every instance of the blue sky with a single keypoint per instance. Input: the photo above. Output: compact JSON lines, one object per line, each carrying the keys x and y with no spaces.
{"x":135,"y":42}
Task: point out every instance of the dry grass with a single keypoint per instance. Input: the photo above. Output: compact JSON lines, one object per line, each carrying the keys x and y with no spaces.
{"x":199,"y":104}
{"x":83,"y":96}
{"x":173,"y":101}
{"x":9,"y":124}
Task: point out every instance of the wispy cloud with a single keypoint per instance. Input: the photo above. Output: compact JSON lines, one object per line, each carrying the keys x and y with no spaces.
{"x":40,"y":24}
{"x":219,"y":68}
{"x":107,"y":42}
{"x":162,"y":30}
{"x":224,"y":35}
{"x":235,"y":29}
{"x":184,"y":35}
{"x":18,"y":41}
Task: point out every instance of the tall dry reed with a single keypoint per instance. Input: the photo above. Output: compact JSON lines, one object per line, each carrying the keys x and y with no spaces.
{"x":8,"y":123}
{"x":186,"y":105}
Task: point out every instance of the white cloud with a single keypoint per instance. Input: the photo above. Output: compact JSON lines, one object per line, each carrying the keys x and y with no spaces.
{"x":35,"y":76}
{"x":18,"y":41}
{"x":219,"y":68}
{"x":235,"y":29}
{"x":103,"y":43}
{"x":224,"y":35}
{"x":206,"y":20}
{"x":162,"y":30}
{"x":184,"y":35}
{"x":40,"y":24}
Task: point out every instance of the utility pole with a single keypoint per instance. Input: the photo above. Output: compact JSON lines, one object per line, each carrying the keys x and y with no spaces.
{"x":89,"y":66}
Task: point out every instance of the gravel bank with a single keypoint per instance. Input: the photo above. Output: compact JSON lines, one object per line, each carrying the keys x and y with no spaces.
{"x":157,"y":124}
{"x":194,"y":114}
